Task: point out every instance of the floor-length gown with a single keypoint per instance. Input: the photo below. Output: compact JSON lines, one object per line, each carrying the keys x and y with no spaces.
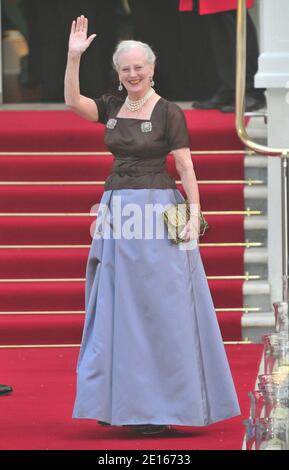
{"x":151,"y":350}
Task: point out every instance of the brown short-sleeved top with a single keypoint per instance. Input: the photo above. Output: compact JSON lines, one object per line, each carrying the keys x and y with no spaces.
{"x":140,"y":146}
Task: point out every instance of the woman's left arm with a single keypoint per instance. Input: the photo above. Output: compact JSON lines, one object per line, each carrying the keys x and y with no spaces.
{"x":185,"y":168}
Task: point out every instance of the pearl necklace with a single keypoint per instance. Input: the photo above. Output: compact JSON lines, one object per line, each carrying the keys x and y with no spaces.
{"x":135,"y":105}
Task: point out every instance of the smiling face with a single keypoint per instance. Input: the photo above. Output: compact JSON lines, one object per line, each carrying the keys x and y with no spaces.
{"x":134,"y":72}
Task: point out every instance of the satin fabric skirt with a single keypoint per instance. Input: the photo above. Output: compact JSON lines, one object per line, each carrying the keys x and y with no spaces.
{"x":151,"y":349}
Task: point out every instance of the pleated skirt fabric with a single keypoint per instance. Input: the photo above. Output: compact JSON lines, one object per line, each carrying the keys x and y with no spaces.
{"x":151,"y":349}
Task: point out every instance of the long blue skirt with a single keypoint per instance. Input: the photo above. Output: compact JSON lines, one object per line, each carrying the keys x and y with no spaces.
{"x":151,"y":350}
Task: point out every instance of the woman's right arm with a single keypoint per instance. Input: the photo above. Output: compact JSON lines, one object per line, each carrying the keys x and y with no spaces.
{"x":78,"y":43}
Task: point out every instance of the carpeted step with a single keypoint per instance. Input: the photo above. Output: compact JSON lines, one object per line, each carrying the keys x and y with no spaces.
{"x":49,"y":131}
{"x":49,"y":198}
{"x":93,"y":168}
{"x":75,"y":230}
{"x":66,"y":295}
{"x":212,"y":130}
{"x":17,"y":263}
{"x":222,"y":197}
{"x":41,"y":329}
{"x":227,"y":293}
{"x":43,"y":263}
{"x":65,"y":131}
{"x":223,"y":261}
{"x":67,"y":329}
{"x":50,"y":230}
{"x":77,"y":198}
{"x":217,"y":166}
{"x":230,"y":324}
{"x":31,"y":296}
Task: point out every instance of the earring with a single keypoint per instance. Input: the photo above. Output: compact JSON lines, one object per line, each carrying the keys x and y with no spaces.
{"x":152,"y":81}
{"x":120,"y":87}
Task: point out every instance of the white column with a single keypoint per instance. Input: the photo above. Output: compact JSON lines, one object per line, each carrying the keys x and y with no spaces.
{"x":273,"y":74}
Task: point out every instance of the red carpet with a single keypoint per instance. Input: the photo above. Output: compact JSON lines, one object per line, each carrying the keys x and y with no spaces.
{"x":38,"y":414}
{"x":88,"y":168}
{"x":219,"y":126}
{"x":31,"y":296}
{"x":82,"y":198}
{"x":69,"y":296}
{"x":70,"y":263}
{"x":47,"y":221}
{"x":54,"y":230}
{"x":64,"y":131}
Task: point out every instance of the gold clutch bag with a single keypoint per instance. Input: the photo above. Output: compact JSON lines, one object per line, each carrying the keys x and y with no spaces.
{"x":177,"y":216}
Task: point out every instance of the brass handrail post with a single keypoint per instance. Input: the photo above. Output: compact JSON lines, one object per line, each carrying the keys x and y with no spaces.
{"x":241,"y":44}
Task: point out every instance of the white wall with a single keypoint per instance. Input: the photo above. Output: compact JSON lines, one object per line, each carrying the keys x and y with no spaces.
{"x":273,"y":74}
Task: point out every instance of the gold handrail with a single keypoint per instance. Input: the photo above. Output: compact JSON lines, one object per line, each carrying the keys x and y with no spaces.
{"x":241,"y":88}
{"x":283,"y":153}
{"x":95,"y":153}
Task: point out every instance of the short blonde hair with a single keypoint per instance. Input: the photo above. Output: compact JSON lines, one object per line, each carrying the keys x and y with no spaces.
{"x":125,"y":46}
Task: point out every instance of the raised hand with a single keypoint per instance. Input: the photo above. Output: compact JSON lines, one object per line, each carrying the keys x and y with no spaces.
{"x":78,"y":40}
